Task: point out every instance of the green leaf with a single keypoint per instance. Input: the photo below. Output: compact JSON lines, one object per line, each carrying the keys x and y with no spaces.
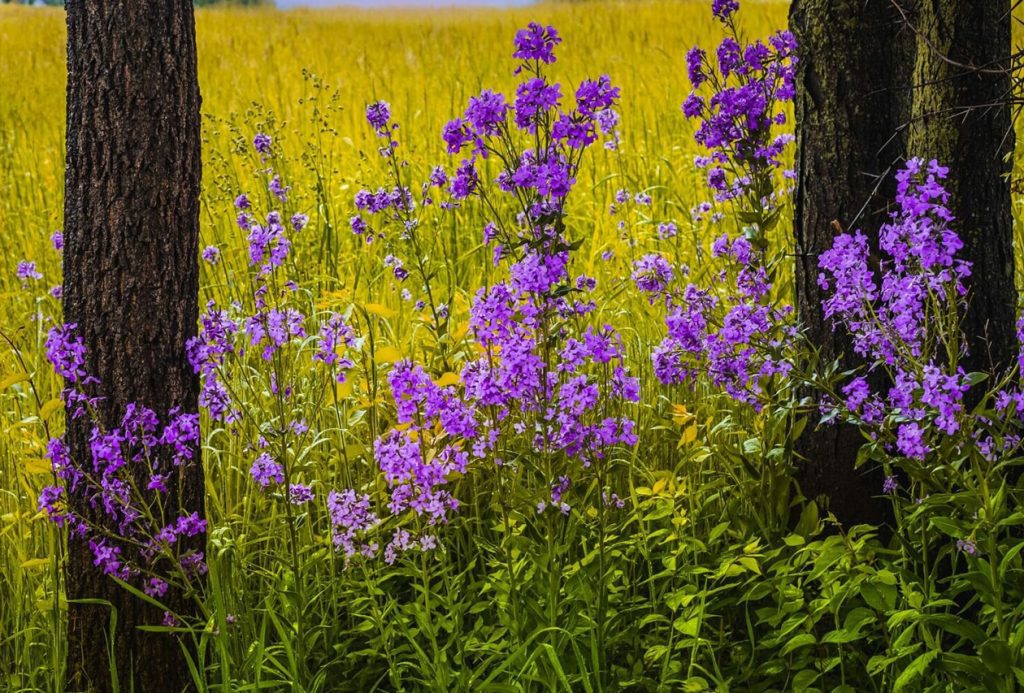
{"x":841,"y":636}
{"x":996,"y":655}
{"x":879,"y":596}
{"x":808,"y":524}
{"x":1004,"y":563}
{"x":1019,"y":675}
{"x":556,"y":664}
{"x":803,"y":680}
{"x":750,"y":564}
{"x":947,"y":527}
{"x":914,"y":670}
{"x":12,"y":379}
{"x":957,"y":625}
{"x":654,"y":653}
{"x":687,"y":626}
{"x":802,"y":640}
{"x":973,"y":379}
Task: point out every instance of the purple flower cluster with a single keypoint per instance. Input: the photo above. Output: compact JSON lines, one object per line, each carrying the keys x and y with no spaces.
{"x":886,"y":312}
{"x":418,"y":460}
{"x":398,"y":199}
{"x":667,"y":229}
{"x":65,"y":350}
{"x":27,"y":272}
{"x":126,"y":483}
{"x":261,"y":143}
{"x":571,"y":394}
{"x":395,"y":205}
{"x":732,"y":333}
{"x":300,"y":494}
{"x":749,"y":82}
{"x":351,"y":518}
{"x":273,"y":328}
{"x":206,"y":353}
{"x":536,"y":43}
{"x":211,"y":254}
{"x":269,"y":244}
{"x":378,"y":114}
{"x":537,"y":379}
{"x":265,"y":470}
{"x":966,"y":546}
{"x":574,"y":396}
{"x":542,"y":175}
{"x":652,"y":274}
{"x":723,"y":9}
{"x":890,"y":307}
{"x":890,"y":485}
{"x":269,"y":326}
{"x":335,"y":334}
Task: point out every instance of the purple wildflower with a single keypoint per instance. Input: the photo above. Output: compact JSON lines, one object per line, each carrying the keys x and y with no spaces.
{"x":966,"y":546}
{"x":299,"y":494}
{"x":280,"y":191}
{"x":261,"y":143}
{"x":378,"y":114}
{"x":66,"y":351}
{"x":265,"y":471}
{"x":350,"y":517}
{"x":652,"y":274}
{"x":536,"y":42}
{"x":211,"y":254}
{"x":723,"y":9}
{"x":27,"y":271}
{"x":889,"y":486}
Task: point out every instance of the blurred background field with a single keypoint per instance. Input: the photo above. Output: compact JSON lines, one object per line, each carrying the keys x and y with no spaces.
{"x":267,"y":65}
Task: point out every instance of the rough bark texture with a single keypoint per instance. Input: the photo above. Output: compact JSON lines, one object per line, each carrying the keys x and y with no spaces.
{"x":849,"y":109}
{"x":961,"y":116}
{"x":131,"y":221}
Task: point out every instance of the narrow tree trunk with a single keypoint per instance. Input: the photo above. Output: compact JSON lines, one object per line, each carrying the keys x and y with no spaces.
{"x":961,"y":116}
{"x":131,"y":221}
{"x":848,"y":115}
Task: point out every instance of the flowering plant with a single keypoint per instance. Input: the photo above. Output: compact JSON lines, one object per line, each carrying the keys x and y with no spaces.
{"x":749,"y":85}
{"x":122,"y":499}
{"x":727,"y":324}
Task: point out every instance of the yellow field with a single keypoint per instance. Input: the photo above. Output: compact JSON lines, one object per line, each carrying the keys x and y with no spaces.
{"x":425,"y":64}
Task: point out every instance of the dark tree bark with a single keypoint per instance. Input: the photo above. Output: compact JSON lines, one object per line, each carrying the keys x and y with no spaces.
{"x":881,"y":80}
{"x":961,"y":116}
{"x":131,"y":221}
{"x":849,"y":109}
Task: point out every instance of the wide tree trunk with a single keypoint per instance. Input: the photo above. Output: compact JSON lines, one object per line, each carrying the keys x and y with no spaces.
{"x":851,"y":90}
{"x":961,"y":116}
{"x":131,"y":220}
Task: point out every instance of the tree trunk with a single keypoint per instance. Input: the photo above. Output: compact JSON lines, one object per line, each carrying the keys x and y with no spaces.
{"x":961,"y":116}
{"x":131,"y":221}
{"x":849,"y":109}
